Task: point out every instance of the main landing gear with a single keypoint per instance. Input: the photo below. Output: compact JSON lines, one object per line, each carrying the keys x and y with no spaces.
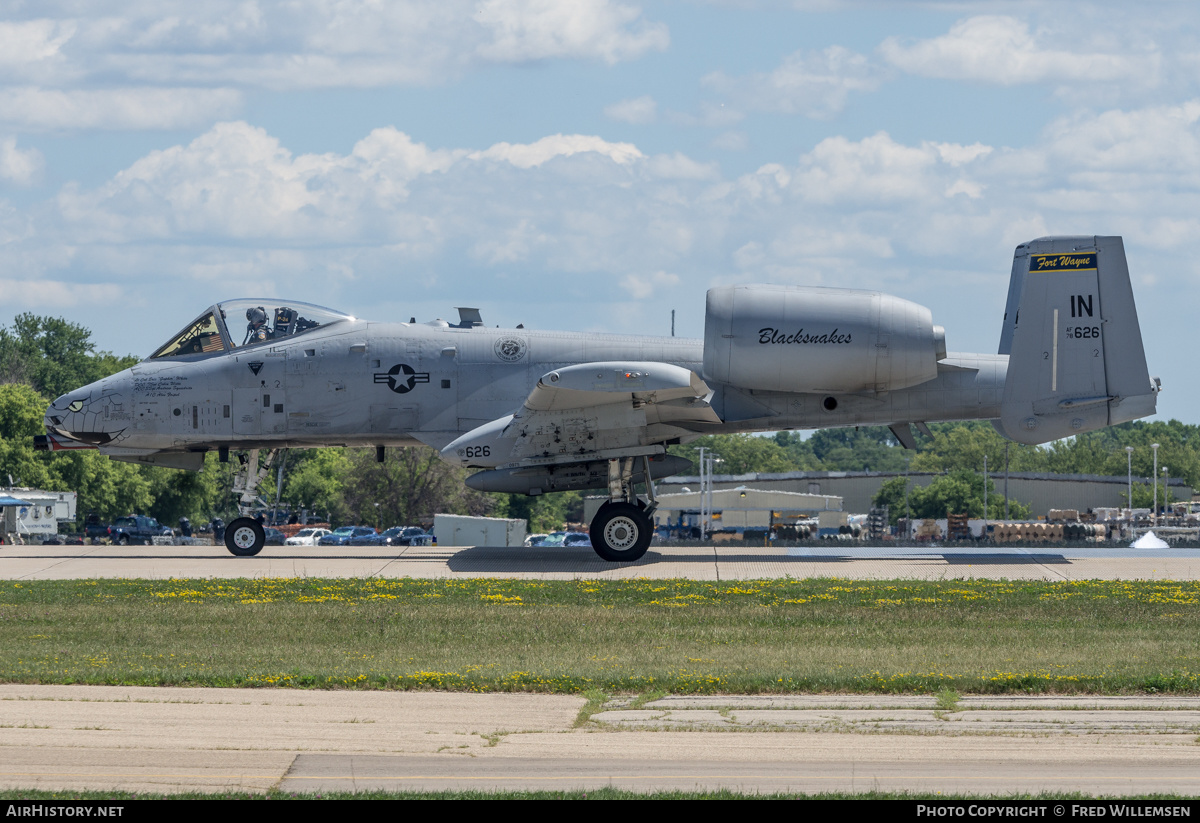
{"x":244,"y":537}
{"x":622,"y":528}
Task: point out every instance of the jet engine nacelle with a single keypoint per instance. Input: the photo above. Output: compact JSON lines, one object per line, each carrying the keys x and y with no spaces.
{"x":807,"y":339}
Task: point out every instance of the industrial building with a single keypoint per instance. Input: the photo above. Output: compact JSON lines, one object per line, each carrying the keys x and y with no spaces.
{"x":1040,"y":491}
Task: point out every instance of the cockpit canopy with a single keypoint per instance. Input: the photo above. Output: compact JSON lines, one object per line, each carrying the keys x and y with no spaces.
{"x":246,"y":322}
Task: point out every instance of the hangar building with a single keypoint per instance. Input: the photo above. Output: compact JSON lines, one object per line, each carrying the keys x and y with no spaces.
{"x":1041,"y":491}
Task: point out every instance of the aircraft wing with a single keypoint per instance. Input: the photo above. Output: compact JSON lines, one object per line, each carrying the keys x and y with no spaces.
{"x":592,"y":411}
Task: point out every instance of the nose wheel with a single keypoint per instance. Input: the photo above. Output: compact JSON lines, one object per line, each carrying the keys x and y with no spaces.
{"x":244,"y":537}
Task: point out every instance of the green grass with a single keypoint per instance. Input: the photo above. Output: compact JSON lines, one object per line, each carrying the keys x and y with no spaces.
{"x":608,"y":636}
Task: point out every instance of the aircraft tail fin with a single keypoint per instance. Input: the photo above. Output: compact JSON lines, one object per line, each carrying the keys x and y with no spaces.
{"x":1076,"y":361}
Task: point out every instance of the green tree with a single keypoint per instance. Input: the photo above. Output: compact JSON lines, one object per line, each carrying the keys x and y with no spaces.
{"x":315,"y":481}
{"x":961,"y":492}
{"x":410,"y":486}
{"x":958,"y":492}
{"x":1143,"y":496}
{"x":799,"y":451}
{"x":543,"y":512}
{"x":194,"y":495}
{"x":53,"y":355}
{"x":110,"y":488}
{"x":867,"y":448}
{"x":739,"y":454}
{"x":963,"y":446}
{"x":22,"y":411}
{"x":892,"y":495}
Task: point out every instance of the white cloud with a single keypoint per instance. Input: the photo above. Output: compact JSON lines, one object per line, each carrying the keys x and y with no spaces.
{"x":36,"y":109}
{"x":731,"y":141}
{"x":957,"y":155}
{"x":576,"y":219}
{"x":308,"y":44}
{"x":638,"y":110}
{"x":523,"y":30}
{"x":1155,"y":139}
{"x":17,"y":165}
{"x":1002,"y":50}
{"x":31,"y":42}
{"x":41,"y":292}
{"x":527,"y":155}
{"x":873,"y":170}
{"x":642,"y":285}
{"x":815,"y":84}
{"x":963,"y":186}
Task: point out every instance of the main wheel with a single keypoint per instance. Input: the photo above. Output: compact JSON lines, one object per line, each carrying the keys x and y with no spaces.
{"x":621,"y":532}
{"x":244,"y":537}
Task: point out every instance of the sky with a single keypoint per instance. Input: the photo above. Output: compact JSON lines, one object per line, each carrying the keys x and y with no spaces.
{"x":590,"y":165}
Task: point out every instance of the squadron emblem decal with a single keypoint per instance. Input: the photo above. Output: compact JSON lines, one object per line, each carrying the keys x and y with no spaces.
{"x":510,"y":349}
{"x":401,"y":378}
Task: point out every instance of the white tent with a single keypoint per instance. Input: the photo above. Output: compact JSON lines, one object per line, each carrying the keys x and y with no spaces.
{"x":1149,"y":541}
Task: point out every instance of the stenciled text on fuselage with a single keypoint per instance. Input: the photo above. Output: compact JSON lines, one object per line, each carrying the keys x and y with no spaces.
{"x":770,"y":335}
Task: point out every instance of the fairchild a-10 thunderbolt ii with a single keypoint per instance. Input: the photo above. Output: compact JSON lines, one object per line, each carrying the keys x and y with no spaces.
{"x":546,"y":411}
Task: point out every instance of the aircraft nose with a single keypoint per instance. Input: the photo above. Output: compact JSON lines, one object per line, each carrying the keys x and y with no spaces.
{"x":92,"y":415}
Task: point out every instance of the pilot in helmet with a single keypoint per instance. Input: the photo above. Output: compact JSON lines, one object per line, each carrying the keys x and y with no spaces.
{"x":257,"y":329}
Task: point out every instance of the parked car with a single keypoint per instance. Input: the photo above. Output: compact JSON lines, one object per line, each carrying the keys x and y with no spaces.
{"x":94,"y":528}
{"x":566,"y":539}
{"x":137,"y":529}
{"x":535,"y":539}
{"x":400,"y":536}
{"x":307,"y":537}
{"x":343,"y":535}
{"x":274,"y":536}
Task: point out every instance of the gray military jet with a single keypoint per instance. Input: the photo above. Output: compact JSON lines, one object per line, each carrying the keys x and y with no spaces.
{"x":545,"y":411}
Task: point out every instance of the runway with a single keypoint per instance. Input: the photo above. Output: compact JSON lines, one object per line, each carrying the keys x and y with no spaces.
{"x":722,"y":561}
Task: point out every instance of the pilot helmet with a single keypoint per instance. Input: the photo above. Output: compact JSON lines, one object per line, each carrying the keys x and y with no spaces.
{"x":256,"y":316}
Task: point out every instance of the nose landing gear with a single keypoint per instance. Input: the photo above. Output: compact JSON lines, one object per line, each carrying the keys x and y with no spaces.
{"x":244,"y":537}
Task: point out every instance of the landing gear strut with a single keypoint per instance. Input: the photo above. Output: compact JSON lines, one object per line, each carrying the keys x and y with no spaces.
{"x":623,"y":527}
{"x":244,"y":537}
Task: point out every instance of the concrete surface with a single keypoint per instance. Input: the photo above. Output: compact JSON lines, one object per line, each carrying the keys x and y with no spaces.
{"x":719,"y":562}
{"x":225,"y":740}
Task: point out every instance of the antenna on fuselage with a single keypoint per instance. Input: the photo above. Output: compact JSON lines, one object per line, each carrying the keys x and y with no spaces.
{"x":468,"y":318}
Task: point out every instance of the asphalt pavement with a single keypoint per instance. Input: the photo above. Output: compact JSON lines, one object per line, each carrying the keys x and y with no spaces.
{"x":722,"y":561}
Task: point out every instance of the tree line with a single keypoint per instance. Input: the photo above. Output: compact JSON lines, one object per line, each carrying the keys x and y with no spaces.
{"x":44,"y":357}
